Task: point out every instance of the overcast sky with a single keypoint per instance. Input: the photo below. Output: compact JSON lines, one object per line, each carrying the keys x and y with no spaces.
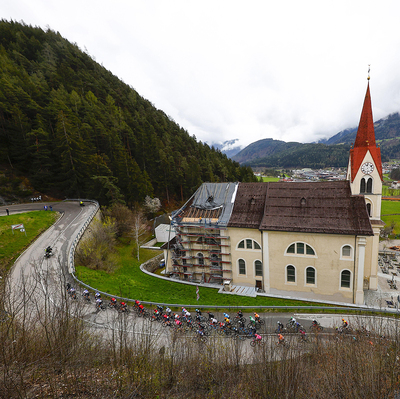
{"x":247,"y":70}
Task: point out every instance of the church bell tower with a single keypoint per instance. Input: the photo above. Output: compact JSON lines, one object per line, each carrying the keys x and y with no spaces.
{"x":365,"y":175}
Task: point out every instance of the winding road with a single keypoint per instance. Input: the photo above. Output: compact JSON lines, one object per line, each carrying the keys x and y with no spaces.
{"x":45,"y":278}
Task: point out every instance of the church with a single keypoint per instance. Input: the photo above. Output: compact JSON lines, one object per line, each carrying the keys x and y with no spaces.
{"x":309,"y":240}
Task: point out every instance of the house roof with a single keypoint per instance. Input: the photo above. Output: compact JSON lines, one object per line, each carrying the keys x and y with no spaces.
{"x":211,"y":202}
{"x":319,"y":207}
{"x":314,"y":207}
{"x":249,"y":205}
{"x":365,"y":140}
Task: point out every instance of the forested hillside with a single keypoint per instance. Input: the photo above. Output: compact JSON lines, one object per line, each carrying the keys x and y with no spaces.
{"x":75,"y":129}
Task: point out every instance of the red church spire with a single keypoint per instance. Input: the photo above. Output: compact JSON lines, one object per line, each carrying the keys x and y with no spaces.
{"x":365,"y":140}
{"x":366,"y":133}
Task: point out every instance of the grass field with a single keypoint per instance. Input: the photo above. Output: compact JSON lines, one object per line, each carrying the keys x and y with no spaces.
{"x":268,"y":179}
{"x":12,"y":244}
{"x":130,"y":282}
{"x":389,"y":208}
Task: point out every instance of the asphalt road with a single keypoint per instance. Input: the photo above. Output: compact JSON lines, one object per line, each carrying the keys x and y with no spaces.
{"x":44,"y":278}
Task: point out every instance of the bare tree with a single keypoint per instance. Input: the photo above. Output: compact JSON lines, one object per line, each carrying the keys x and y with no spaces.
{"x":139,"y":228}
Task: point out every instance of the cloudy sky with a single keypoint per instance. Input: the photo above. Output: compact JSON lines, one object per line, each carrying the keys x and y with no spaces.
{"x":247,"y":70}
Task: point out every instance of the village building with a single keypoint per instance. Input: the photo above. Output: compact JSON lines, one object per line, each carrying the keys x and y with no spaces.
{"x":313,"y":240}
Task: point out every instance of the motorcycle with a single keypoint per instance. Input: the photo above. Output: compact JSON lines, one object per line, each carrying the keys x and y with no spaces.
{"x":48,"y":252}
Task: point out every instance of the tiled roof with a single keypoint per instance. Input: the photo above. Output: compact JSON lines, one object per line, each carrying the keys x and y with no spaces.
{"x":320,"y":207}
{"x":249,"y":205}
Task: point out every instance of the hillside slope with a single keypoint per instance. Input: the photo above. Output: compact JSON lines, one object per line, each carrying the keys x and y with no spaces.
{"x":75,"y":129}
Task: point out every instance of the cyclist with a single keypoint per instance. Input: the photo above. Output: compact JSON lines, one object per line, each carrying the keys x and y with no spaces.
{"x":123,"y":307}
{"x":345,"y":324}
{"x":97,"y":295}
{"x":210,"y":315}
{"x":168,"y":311}
{"x":303,"y":335}
{"x":257,"y":337}
{"x":280,"y":326}
{"x":214,"y":321}
{"x":72,"y":292}
{"x":68,"y":286}
{"x":99,"y":303}
{"x":113,"y":302}
{"x":85,"y":293}
{"x":281,"y":339}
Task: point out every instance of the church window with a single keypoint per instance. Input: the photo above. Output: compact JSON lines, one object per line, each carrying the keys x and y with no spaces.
{"x":201,"y":258}
{"x":310,"y":275}
{"x":242,"y":266}
{"x":369,"y":185}
{"x":248,"y":244}
{"x":362,"y":185}
{"x":347,"y":252}
{"x":345,"y":279}
{"x":369,"y":209}
{"x":258,"y":268}
{"x":300,"y":248}
{"x":290,"y":274}
{"x":309,"y":250}
{"x":291,"y":249}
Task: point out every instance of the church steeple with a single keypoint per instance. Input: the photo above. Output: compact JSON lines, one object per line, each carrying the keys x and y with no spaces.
{"x":365,"y":140}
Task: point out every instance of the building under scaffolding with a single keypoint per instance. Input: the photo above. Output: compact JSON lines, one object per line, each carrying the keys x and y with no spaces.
{"x":201,"y":249}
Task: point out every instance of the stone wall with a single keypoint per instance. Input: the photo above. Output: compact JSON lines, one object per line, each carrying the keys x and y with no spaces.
{"x":152,"y":264}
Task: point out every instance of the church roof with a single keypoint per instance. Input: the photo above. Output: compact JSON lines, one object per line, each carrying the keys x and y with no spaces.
{"x":249,"y":205}
{"x":211,"y":202}
{"x":365,"y":140}
{"x":312,"y":207}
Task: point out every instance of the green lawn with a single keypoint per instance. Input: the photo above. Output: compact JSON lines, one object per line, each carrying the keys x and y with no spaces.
{"x":389,"y":208}
{"x":268,"y":178}
{"x":130,"y":282}
{"x":12,"y":244}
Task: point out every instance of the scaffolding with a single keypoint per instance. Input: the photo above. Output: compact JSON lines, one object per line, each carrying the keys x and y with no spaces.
{"x":201,"y":253}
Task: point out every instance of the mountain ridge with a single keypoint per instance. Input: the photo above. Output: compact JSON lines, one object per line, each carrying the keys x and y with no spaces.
{"x":333,"y":151}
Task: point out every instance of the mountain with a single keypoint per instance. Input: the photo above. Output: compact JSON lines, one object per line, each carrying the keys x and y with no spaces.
{"x":328,"y":152}
{"x":229,"y":147}
{"x":74,"y":129}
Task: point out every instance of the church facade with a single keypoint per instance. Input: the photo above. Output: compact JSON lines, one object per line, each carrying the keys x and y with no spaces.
{"x":313,"y":240}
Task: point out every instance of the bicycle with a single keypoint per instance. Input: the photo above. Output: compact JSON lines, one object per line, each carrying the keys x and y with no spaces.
{"x":257,"y":341}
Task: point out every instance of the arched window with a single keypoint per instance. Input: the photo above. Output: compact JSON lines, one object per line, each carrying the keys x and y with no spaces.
{"x":362,"y":186}
{"x":345,"y":279}
{"x":369,"y":209}
{"x":346,"y":251}
{"x":258,"y":268}
{"x":242,"y":266}
{"x":290,"y":274}
{"x":201,"y":258}
{"x":248,"y":243}
{"x":369,"y":185}
{"x":310,"y":275}
{"x":300,"y":248}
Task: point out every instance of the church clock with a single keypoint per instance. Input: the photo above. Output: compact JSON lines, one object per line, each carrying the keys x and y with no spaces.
{"x":367,"y":168}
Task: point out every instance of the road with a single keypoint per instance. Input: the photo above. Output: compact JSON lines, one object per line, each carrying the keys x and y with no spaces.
{"x":43,"y":281}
